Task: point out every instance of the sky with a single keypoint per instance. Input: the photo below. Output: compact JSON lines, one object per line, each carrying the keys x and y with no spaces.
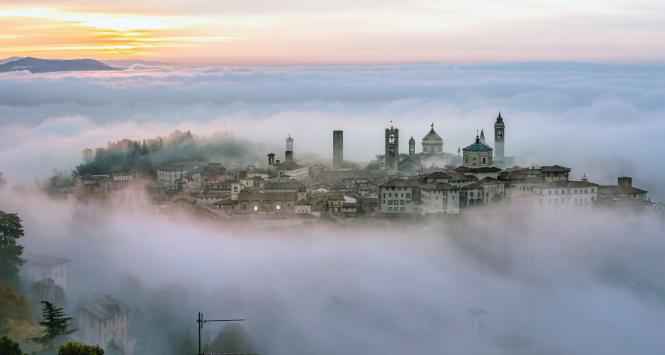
{"x":344,"y":31}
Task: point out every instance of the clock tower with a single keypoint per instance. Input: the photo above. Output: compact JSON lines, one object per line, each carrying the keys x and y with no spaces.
{"x":391,"y":158}
{"x":499,"y":138}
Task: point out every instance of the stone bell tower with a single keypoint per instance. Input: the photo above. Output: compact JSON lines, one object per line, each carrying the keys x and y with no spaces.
{"x":499,"y":138}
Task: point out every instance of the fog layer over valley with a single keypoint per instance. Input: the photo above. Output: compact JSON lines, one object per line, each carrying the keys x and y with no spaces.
{"x":604,"y":120}
{"x":502,"y":280}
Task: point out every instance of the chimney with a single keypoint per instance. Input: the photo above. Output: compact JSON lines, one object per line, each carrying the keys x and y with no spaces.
{"x":625,"y":181}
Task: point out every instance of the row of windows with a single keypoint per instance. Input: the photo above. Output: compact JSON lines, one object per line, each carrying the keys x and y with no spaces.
{"x":403,"y":195}
{"x":396,"y":209}
{"x":576,"y":191}
{"x":395,"y":202}
{"x":576,"y":200}
{"x":475,"y":161}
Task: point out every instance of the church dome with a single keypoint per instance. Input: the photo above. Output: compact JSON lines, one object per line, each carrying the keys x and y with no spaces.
{"x":432,"y":137}
{"x":477,"y":146}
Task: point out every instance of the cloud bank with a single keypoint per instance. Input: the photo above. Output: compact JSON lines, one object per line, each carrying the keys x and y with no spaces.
{"x":578,"y":283}
{"x":601,"y":119}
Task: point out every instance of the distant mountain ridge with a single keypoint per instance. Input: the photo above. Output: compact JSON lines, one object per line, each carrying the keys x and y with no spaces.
{"x":38,"y":65}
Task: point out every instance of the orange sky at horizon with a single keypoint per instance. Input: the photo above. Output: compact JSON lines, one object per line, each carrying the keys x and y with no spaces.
{"x":224,"y":32}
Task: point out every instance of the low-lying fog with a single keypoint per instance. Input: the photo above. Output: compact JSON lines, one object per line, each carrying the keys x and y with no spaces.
{"x":500,"y":281}
{"x":602,"y":120}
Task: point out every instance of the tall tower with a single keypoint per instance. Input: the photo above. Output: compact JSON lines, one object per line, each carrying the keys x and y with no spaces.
{"x":392,"y":149}
{"x":271,"y":159}
{"x":412,"y":147}
{"x":338,"y":149}
{"x":288,"y":155}
{"x":499,"y":138}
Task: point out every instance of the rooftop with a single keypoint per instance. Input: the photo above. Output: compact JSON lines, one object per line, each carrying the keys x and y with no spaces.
{"x":46,"y":260}
{"x":483,"y":169}
{"x":554,"y":169}
{"x":477,"y":146}
{"x":401,"y":183}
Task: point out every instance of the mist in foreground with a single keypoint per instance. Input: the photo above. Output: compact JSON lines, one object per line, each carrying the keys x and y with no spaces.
{"x":494,"y":281}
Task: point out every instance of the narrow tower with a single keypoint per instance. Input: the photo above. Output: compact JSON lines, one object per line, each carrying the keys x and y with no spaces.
{"x":338,"y":149}
{"x":499,"y":138}
{"x":482,"y":136}
{"x":288,"y":155}
{"x":391,"y":159}
{"x":412,"y":147}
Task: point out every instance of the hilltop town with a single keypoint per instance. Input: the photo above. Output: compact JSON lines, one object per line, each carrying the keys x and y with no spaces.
{"x":426,"y":183}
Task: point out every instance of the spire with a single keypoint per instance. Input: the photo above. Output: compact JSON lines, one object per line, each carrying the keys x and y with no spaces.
{"x":482,"y":136}
{"x":477,"y":138}
{"x":499,"y":118}
{"x":432,"y":126}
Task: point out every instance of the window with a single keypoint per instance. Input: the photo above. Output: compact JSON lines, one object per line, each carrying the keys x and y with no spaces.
{"x":408,"y":195}
{"x":484,"y":161}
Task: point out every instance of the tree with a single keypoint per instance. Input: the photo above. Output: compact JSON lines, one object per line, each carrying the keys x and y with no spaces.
{"x":9,"y":347}
{"x":74,"y":348}
{"x":13,"y":307}
{"x":10,"y":251}
{"x":57,"y":325}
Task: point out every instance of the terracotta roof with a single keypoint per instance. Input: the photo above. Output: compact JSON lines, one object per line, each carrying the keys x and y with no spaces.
{"x":484,"y":169}
{"x":401,"y":182}
{"x":45,"y":260}
{"x":567,"y":184}
{"x":246,"y":195}
{"x":554,"y":169}
{"x":438,"y":186}
{"x":619,"y":190}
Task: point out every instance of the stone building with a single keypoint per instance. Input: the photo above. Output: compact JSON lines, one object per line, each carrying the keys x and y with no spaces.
{"x":400,"y":196}
{"x":624,"y":189}
{"x":288,"y":154}
{"x":439,"y":198}
{"x":477,"y":155}
{"x":41,"y":267}
{"x":565,"y":194}
{"x":338,"y":149}
{"x":499,"y":139}
{"x":391,"y":156}
{"x":102,"y":321}
{"x":432,"y":142}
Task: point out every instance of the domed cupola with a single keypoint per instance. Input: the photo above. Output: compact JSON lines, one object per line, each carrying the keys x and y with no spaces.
{"x":432,"y":142}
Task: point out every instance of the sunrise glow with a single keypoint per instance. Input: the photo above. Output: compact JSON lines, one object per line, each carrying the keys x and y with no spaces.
{"x":302,"y":32}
